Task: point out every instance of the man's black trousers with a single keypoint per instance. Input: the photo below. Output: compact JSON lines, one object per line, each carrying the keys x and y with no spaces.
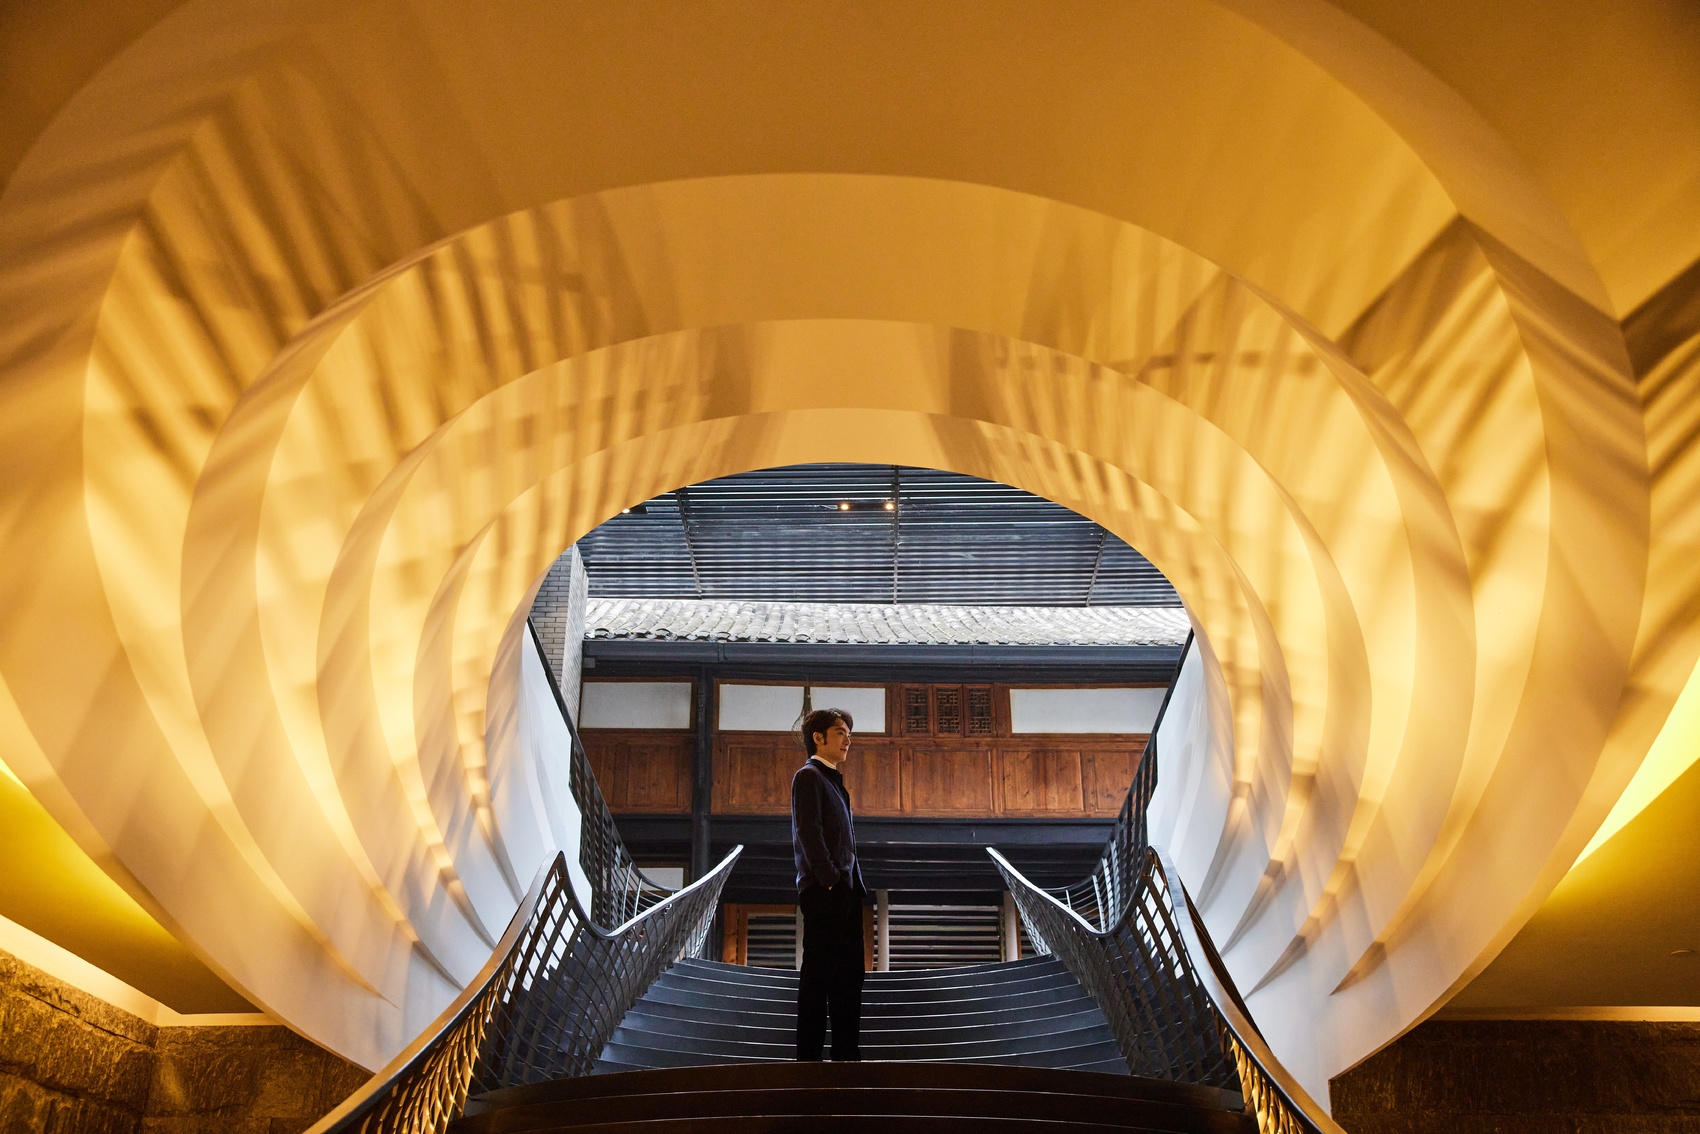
{"x":832,"y":973}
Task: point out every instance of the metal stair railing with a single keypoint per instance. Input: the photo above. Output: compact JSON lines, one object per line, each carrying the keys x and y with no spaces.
{"x":543,"y":1007}
{"x":619,"y":891}
{"x":1169,"y":1001}
{"x":1154,"y":971}
{"x":557,"y":985}
{"x":1102,"y":895}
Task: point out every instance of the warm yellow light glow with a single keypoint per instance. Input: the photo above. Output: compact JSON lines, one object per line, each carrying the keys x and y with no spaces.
{"x":328,"y":327}
{"x":1676,"y":750}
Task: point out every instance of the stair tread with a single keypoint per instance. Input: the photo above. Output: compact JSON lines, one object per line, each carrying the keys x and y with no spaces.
{"x":987,"y":1012}
{"x":677,"y":993}
{"x":1021,"y":1013}
{"x":791,"y":1075}
{"x":1061,"y":1057}
{"x":919,"y":1039}
{"x":896,"y":1021}
{"x":782,"y":990}
{"x":829,"y":1124}
{"x":824,"y":1101}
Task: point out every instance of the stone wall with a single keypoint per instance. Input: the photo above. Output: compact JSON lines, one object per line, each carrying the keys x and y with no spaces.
{"x":69,"y":1062}
{"x":1527,"y":1077}
{"x":247,"y":1080}
{"x":72,"y":1064}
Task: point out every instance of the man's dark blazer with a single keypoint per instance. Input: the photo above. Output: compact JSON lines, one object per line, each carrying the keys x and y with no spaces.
{"x":823,"y":832}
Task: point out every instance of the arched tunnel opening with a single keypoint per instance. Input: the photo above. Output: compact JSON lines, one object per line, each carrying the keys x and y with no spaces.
{"x":1003,"y":656}
{"x":330,"y":324}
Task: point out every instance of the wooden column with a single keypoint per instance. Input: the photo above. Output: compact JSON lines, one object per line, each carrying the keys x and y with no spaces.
{"x":1011,"y":929}
{"x":702,"y":775}
{"x":882,"y":931}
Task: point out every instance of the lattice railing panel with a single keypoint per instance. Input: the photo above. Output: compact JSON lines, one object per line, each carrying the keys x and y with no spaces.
{"x":543,"y":1008}
{"x":1170,"y":1004}
{"x":557,"y":984}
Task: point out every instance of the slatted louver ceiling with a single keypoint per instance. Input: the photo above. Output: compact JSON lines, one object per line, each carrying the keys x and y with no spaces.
{"x":785,"y":535}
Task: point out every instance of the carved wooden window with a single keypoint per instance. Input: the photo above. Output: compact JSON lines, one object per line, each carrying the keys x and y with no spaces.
{"x":947,"y":706}
{"x":979,"y":711}
{"x":917,"y":714}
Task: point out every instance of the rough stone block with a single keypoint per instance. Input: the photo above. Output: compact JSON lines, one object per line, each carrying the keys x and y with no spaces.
{"x":1527,"y":1076}
{"x":67,"y":1054}
{"x":244,"y":1077}
{"x":28,"y":1108}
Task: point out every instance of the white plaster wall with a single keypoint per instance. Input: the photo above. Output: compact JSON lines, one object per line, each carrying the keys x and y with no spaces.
{"x":533,"y":813}
{"x":1194,"y":773}
{"x":760,"y":708}
{"x":865,"y":705}
{"x":635,"y":704}
{"x":1127,"y":710}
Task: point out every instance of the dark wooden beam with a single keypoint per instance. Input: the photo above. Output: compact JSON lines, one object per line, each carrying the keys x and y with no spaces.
{"x":702,"y":776}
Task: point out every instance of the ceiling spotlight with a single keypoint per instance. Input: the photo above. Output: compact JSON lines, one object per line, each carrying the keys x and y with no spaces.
{"x":625,"y":511}
{"x":844,"y":506}
{"x":891,"y":505}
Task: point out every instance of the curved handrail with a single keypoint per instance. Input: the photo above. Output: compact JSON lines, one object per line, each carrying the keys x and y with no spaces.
{"x":542,"y":1007}
{"x":1172,"y":1007}
{"x":1272,"y":1088}
{"x":557,"y":984}
{"x":618,"y":888}
{"x":1102,"y":895}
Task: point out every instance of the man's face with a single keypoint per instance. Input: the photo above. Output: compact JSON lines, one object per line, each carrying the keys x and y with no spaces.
{"x":833,"y":744}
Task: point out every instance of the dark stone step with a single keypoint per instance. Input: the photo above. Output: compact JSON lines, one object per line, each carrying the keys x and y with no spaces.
{"x":708,"y":994}
{"x":1101,"y":1055}
{"x":1015,"y":974}
{"x":754,"y":1095}
{"x":832,"y":1124}
{"x":863,"y":1101}
{"x":1027,"y":1013}
{"x":641,"y":1023}
{"x":996,"y":973}
{"x":784,"y":1044}
{"x":777,"y":1014}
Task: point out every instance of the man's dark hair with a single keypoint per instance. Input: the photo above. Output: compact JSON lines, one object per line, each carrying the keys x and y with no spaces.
{"x":820,"y":721}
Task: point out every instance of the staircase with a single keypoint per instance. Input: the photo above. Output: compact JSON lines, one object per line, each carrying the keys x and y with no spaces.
{"x":571,"y":1026}
{"x":1016,"y":1046}
{"x":1024,"y":1013}
{"x":827,"y":1098}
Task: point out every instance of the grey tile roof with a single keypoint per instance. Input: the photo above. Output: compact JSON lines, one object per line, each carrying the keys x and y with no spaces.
{"x":884,"y":624}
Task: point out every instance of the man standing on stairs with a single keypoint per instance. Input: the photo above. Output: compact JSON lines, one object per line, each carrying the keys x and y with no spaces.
{"x":829,"y":890}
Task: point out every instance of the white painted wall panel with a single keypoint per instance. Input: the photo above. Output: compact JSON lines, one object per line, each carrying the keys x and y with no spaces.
{"x":672,"y":877}
{"x":1084,"y":710}
{"x":1194,"y":773}
{"x":760,"y":708}
{"x":635,"y":704}
{"x":865,"y":706}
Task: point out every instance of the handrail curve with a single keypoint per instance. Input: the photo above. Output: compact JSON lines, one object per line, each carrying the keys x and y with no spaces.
{"x":618,"y":889}
{"x":1171,"y":1005}
{"x":541,"y":1008}
{"x":1281,"y":1105}
{"x":558,"y":982}
{"x":1102,"y":895}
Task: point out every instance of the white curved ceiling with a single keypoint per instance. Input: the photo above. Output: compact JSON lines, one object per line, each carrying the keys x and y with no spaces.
{"x":331,"y":324}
